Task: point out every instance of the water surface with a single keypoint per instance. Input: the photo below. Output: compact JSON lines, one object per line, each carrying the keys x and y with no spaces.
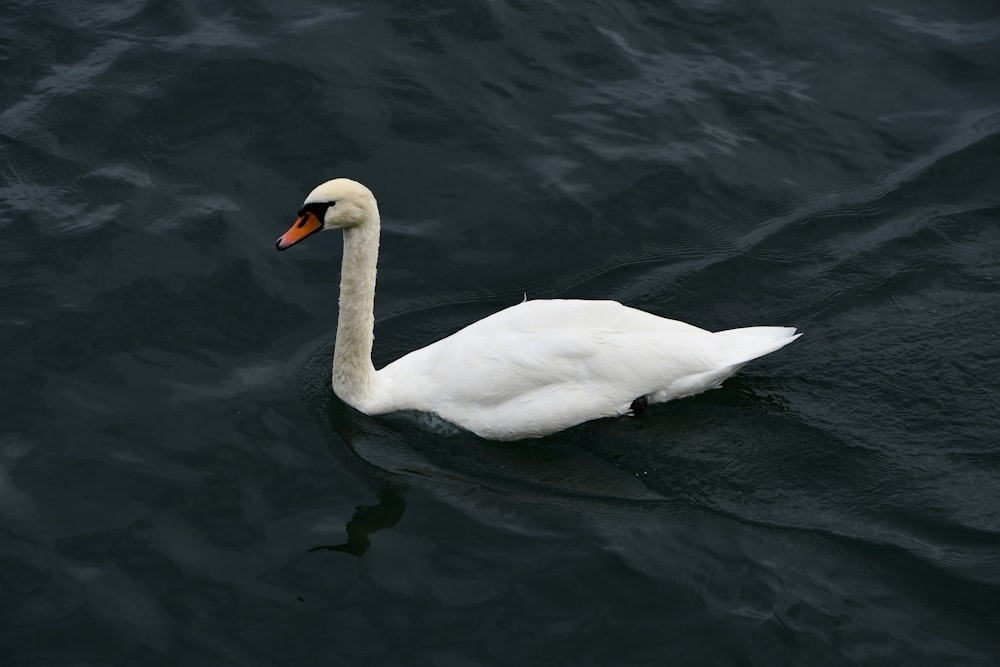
{"x":179,"y":486}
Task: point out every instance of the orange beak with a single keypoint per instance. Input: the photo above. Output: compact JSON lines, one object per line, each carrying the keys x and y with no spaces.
{"x":306,"y":225}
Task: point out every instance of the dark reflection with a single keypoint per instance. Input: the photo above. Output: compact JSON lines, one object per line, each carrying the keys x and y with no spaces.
{"x":366,"y":520}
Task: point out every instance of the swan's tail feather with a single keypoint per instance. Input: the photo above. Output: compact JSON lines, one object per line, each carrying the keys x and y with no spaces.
{"x":752,"y":342}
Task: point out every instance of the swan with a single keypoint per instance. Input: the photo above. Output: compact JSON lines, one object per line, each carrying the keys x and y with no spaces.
{"x":527,"y":371}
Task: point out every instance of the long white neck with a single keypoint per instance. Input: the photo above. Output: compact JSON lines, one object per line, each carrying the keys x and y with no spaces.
{"x":353,"y":372}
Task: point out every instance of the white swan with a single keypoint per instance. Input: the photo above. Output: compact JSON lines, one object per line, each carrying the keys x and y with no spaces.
{"x":526,"y":371}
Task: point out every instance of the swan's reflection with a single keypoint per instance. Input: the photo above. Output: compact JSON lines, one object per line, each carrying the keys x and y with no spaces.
{"x":366,"y":520}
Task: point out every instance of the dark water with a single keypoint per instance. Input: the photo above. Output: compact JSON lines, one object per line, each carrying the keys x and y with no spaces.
{"x":179,"y":486}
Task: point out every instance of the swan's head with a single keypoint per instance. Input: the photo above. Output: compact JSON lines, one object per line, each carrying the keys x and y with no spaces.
{"x":337,"y":204}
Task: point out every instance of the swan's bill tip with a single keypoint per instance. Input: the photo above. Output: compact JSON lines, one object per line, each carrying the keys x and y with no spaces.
{"x":307,"y":224}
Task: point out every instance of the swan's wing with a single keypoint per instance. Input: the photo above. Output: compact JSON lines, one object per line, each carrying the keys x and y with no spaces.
{"x":537,"y":343}
{"x":545,"y":365}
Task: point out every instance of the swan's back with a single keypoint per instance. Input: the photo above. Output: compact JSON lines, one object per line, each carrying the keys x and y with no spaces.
{"x":543,"y":366}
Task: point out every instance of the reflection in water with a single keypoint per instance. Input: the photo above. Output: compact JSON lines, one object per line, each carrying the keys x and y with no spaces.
{"x":366,"y":520}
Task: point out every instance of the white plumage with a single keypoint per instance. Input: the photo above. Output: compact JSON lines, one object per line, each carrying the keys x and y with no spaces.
{"x":527,"y":371}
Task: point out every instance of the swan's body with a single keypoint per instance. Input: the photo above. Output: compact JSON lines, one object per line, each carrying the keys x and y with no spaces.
{"x":527,"y":371}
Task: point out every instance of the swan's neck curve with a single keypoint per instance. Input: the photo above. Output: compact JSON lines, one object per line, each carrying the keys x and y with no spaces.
{"x":353,"y":372}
